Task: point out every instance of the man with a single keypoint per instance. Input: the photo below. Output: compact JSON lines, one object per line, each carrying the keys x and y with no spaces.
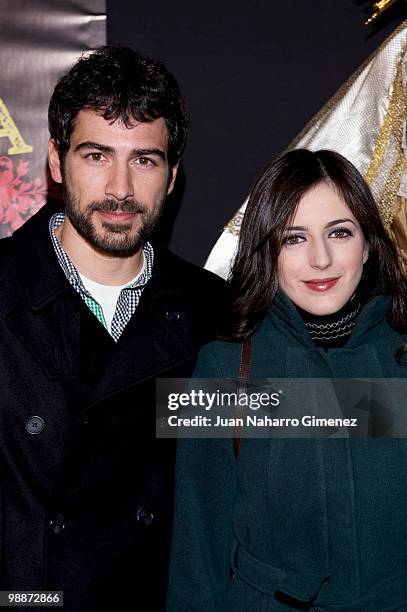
{"x":90,"y":314}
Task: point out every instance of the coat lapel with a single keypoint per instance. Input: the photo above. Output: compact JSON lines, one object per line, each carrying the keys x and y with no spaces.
{"x":46,"y":318}
{"x":46,"y":336}
{"x":155,"y":340}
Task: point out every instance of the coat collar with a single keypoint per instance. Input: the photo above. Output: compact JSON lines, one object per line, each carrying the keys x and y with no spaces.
{"x":35,"y":259}
{"x":286,"y":317}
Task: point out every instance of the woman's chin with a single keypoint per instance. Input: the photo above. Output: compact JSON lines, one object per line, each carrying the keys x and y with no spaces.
{"x":322,"y":307}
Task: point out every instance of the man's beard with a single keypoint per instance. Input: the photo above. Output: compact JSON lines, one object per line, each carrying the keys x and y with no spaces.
{"x":116,"y":240}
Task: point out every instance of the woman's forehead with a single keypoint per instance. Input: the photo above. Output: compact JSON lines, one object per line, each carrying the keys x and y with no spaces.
{"x":320,"y":204}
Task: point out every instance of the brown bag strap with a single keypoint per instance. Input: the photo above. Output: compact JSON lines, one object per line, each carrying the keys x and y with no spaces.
{"x":244,"y":371}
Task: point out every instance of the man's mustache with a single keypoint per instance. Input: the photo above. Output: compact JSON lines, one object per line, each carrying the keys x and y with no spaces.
{"x":127,"y":206}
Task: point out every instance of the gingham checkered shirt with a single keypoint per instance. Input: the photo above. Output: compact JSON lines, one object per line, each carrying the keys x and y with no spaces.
{"x":129,"y":296}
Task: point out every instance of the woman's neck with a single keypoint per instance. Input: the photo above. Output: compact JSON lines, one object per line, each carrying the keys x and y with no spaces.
{"x":334,"y":330}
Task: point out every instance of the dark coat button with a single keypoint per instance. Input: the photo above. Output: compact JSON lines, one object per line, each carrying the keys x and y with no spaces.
{"x":144,"y":516}
{"x":57,"y":524}
{"x":34,"y":425}
{"x":172,"y":316}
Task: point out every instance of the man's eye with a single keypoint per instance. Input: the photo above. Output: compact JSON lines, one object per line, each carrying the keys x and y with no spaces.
{"x":341,"y":232}
{"x":293,"y":239}
{"x":145,"y":161}
{"x":96,"y":157}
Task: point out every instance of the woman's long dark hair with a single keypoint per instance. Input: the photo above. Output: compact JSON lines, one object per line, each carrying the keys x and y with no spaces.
{"x":271,"y":207}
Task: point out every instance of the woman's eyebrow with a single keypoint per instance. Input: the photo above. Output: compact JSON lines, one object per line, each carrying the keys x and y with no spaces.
{"x":336,"y":221}
{"x":303,"y":228}
{"x":296,"y":228}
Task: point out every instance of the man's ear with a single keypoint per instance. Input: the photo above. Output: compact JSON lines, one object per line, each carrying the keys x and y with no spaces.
{"x":173,"y":176}
{"x":54,"y":161}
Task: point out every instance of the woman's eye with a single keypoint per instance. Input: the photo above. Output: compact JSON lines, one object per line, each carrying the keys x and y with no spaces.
{"x":341,"y":232}
{"x":293,"y":239}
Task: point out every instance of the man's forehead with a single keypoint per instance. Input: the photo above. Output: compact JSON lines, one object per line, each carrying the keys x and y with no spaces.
{"x":91,"y":126}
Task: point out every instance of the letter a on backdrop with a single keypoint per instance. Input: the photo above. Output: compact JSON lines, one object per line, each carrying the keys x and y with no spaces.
{"x":54,"y":35}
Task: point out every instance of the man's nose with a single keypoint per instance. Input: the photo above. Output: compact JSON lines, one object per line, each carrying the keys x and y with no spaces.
{"x":119,"y":184}
{"x":320,"y":254}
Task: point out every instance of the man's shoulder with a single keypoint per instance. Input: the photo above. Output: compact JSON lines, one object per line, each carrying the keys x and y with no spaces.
{"x":8,"y":277}
{"x":202,"y":294}
{"x":5,"y":245}
{"x":32,"y":232}
{"x":185,"y":273}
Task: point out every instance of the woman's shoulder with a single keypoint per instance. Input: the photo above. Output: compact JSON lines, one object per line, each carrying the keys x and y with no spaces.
{"x":218,"y":358}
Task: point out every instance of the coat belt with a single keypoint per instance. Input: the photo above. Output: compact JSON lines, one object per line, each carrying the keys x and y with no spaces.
{"x":313,"y":589}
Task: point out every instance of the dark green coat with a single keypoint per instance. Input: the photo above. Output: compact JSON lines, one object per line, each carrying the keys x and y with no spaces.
{"x":309,"y":524}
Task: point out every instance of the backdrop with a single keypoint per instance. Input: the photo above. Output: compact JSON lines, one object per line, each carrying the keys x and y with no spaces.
{"x":39,"y":41}
{"x":253,"y":74}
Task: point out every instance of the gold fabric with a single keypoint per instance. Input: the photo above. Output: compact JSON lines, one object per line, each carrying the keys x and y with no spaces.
{"x":388,"y":162}
{"x":398,"y":230}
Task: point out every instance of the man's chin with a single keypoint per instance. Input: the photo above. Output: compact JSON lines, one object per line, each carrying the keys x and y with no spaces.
{"x":111,"y":239}
{"x":117,"y":244}
{"x":117,"y":228}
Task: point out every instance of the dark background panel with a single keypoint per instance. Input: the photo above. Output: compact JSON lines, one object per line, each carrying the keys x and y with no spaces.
{"x":39,"y":42}
{"x":252,"y":74}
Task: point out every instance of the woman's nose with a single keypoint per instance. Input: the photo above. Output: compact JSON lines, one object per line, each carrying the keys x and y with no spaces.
{"x":320,"y":254}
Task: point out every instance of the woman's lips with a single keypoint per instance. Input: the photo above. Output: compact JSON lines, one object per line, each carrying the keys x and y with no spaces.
{"x":321,"y":284}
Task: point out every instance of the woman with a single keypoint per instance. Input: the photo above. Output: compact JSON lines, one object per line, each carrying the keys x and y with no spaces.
{"x":290,"y":524}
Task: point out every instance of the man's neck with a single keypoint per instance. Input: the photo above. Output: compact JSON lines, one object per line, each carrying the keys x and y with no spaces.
{"x":95,"y":265}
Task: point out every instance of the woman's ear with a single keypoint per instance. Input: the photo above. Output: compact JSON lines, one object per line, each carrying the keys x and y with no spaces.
{"x":366,"y":252}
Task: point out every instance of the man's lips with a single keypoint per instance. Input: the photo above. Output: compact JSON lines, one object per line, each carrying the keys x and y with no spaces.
{"x":321,"y":284}
{"x":116,"y":216}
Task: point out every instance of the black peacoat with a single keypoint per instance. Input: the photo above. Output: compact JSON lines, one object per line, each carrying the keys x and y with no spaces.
{"x":86,"y":488}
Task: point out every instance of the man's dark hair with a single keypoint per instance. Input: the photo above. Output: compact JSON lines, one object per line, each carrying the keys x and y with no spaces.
{"x":121,"y":85}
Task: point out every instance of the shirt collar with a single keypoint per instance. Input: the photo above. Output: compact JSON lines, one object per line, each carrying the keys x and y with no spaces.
{"x":71,"y":272}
